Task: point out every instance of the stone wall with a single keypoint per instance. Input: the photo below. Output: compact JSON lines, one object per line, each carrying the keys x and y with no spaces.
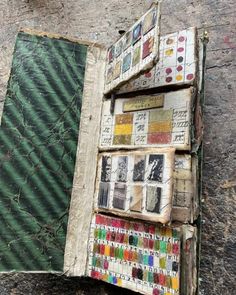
{"x":100,"y":21}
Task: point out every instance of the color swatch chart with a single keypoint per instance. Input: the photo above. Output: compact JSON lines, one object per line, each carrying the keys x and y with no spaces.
{"x":135,"y":255}
{"x":136,"y":183}
{"x":134,"y":51}
{"x":177,"y":63}
{"x":166,"y":125}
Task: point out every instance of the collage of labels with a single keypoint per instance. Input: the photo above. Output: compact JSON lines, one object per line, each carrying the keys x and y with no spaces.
{"x":135,"y":255}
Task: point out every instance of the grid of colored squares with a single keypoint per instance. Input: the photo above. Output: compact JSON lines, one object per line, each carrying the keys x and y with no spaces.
{"x":131,"y":59}
{"x":137,"y":273}
{"x":140,"y":128}
{"x":177,"y":63}
{"x":131,"y":37}
{"x":135,"y":49}
{"x":135,"y":255}
{"x":161,"y":246}
{"x":132,"y":183}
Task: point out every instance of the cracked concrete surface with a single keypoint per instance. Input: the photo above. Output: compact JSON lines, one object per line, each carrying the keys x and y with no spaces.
{"x":99,"y":21}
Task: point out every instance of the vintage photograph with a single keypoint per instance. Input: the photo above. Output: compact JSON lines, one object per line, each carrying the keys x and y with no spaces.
{"x":103,"y":195}
{"x":106,"y":169}
{"x":155,"y":168}
{"x":122,"y":169}
{"x":139,"y":168}
{"x":136,"y":198}
{"x":153,"y":200}
{"x":119,"y":196}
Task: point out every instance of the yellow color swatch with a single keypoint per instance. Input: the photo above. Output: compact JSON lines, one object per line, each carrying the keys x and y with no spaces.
{"x":119,"y":282}
{"x":107,"y":250}
{"x":175,"y":283}
{"x":162,"y":262}
{"x":179,"y":77}
{"x":169,"y":52}
{"x":123,"y":129}
{"x":165,"y":126}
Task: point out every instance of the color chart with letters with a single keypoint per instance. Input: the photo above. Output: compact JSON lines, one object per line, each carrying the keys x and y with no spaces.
{"x":135,"y":255}
{"x":148,"y":121}
{"x":137,"y":184}
{"x":135,"y":51}
{"x":177,"y":63}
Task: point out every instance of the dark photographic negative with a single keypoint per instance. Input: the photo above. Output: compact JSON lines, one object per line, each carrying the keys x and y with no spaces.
{"x":106,"y":169}
{"x":155,"y":167}
{"x":103,"y":194}
{"x":119,"y":196}
{"x":122,"y":169}
{"x":139,"y":168}
{"x":136,"y":198}
{"x":153,"y":200}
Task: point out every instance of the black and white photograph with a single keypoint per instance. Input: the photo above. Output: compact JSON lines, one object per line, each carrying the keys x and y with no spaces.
{"x":139,"y":168}
{"x":106,"y":169}
{"x":103,"y":195}
{"x":136,"y":198}
{"x":153,"y":200}
{"x":155,"y":168}
{"x":122,"y":169}
{"x":119,"y":196}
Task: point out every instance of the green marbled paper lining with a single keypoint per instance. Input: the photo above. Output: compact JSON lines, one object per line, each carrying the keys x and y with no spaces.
{"x":38,"y":142}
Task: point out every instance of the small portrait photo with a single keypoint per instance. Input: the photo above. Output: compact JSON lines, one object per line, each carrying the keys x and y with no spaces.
{"x":119,"y":197}
{"x":155,"y":168}
{"x":122,"y":169}
{"x":139,"y":168}
{"x":106,"y":169}
{"x":103,"y":194}
{"x":153,"y":199}
{"x":136,"y":198}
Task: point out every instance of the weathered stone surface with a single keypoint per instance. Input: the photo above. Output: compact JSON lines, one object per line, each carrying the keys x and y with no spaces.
{"x":100,"y":21}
